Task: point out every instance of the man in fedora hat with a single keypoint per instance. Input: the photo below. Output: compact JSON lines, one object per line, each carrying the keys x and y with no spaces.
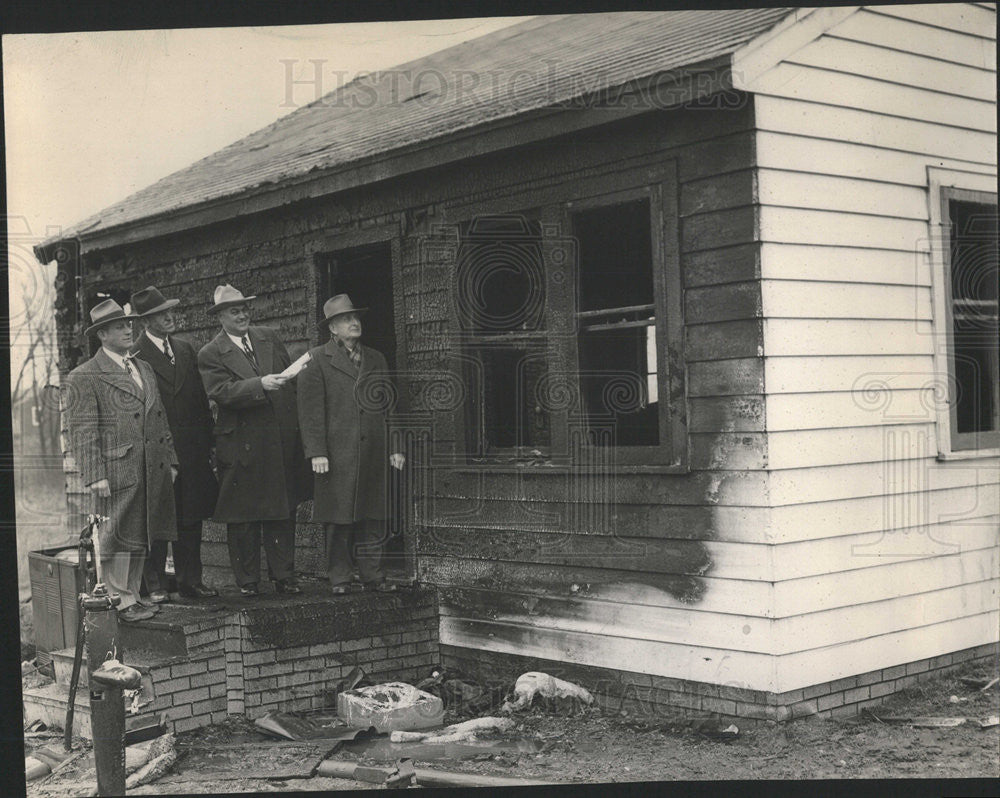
{"x":120,"y":440}
{"x":344,"y":434}
{"x":190,"y":419}
{"x":257,"y":447}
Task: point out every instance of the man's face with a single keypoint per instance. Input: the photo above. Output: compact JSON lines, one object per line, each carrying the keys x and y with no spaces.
{"x":347,"y":326}
{"x":116,"y":336}
{"x":161,"y":324}
{"x":235,"y":319}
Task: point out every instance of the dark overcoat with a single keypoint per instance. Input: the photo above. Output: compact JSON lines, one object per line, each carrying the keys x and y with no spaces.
{"x":344,"y":415}
{"x":119,"y":433}
{"x":190,"y":420}
{"x":257,"y":447}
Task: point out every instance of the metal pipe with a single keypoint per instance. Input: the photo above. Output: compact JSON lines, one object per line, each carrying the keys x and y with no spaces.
{"x":427,"y":777}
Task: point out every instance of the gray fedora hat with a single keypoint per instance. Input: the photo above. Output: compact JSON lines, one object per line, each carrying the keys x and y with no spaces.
{"x":226,"y":295}
{"x":106,"y":312}
{"x":149,"y":301}
{"x":337,"y":306}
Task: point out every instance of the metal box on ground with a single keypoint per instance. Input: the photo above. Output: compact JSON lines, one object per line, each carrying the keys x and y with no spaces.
{"x":55,"y":584}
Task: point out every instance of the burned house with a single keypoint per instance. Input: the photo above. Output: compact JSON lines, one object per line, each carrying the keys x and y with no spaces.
{"x":693,"y":321}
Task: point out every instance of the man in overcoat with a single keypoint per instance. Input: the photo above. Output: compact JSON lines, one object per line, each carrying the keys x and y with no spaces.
{"x":344,"y":420}
{"x":257,"y":448}
{"x":121,"y":442}
{"x":195,"y":490}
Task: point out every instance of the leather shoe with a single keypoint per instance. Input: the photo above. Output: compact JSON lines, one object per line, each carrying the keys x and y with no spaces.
{"x":135,"y":612}
{"x":286,"y":586}
{"x":199,"y":591}
{"x":146,"y":604}
{"x":250,"y":589}
{"x":159,"y":596}
{"x":382,"y":587}
{"x":340,"y":590}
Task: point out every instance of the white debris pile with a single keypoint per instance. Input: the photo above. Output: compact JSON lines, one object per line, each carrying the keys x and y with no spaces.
{"x":458,"y":732}
{"x":147,"y":761}
{"x":390,"y":707}
{"x":536,"y":684}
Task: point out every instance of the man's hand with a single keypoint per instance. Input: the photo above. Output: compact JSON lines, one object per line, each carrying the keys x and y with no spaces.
{"x":272,"y":382}
{"x":101,"y":488}
{"x":397,"y":461}
{"x":320,"y":465}
{"x":173,"y":473}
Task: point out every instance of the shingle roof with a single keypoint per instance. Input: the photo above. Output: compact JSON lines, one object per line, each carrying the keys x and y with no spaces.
{"x":535,"y":64}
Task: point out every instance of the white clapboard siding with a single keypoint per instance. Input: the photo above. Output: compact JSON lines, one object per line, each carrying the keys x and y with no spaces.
{"x":895,"y":66}
{"x":782,"y":115}
{"x":805,"y":448}
{"x":965,"y":504}
{"x":896,"y":614}
{"x":833,"y":228}
{"x":807,"y":411}
{"x":828,"y":483}
{"x":798,"y":299}
{"x":846,"y":337}
{"x":947,"y":46}
{"x":967,"y":18}
{"x":820,"y":192}
{"x":845,"y":264}
{"x":813,"y":594}
{"x":713,"y":665}
{"x":786,"y":150}
{"x":868,"y":373}
{"x":682,"y":625}
{"x":826,"y":664}
{"x":847,"y":552}
{"x":812,"y":85}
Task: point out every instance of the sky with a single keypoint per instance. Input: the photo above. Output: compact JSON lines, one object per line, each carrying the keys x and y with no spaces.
{"x":92,"y":117}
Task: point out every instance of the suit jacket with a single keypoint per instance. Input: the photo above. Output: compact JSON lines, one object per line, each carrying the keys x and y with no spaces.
{"x":257,"y":446}
{"x":190,"y":420}
{"x":119,"y":433}
{"x":344,"y":416}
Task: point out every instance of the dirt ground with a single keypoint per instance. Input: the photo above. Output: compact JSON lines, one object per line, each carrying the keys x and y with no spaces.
{"x":592,"y":746}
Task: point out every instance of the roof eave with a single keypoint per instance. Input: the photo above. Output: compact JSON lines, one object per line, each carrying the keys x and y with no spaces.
{"x":691,"y":82}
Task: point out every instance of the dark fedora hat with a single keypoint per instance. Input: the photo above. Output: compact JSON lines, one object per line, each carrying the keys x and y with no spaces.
{"x":226,"y":295}
{"x":337,"y":306}
{"x":149,"y":301}
{"x":106,"y":312}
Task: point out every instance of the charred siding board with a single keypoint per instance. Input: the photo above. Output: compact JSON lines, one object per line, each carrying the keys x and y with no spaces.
{"x":532,"y":559}
{"x":847,"y":129}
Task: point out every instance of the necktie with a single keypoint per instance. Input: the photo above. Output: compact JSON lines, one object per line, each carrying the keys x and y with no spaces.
{"x":132,"y":372}
{"x":249,"y":353}
{"x":167,"y":352}
{"x":355,"y":355}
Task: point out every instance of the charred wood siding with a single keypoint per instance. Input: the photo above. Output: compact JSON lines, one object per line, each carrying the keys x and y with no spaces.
{"x":546,"y":555}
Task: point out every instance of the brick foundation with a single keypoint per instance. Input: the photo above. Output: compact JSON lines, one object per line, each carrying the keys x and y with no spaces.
{"x":281,"y":656}
{"x":642,"y":694}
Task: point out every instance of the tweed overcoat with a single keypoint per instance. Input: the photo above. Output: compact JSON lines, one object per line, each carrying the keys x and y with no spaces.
{"x":119,"y":433}
{"x":190,"y":419}
{"x":344,"y":415}
{"x":257,"y":447}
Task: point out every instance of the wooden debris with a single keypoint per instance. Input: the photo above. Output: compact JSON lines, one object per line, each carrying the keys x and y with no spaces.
{"x":990,"y":722}
{"x":925,"y":722}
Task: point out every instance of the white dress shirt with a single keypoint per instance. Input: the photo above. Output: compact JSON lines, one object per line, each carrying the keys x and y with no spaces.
{"x":132,"y":369}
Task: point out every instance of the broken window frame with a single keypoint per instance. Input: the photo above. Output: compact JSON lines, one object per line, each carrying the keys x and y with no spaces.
{"x":671,"y":451}
{"x":552,"y":205}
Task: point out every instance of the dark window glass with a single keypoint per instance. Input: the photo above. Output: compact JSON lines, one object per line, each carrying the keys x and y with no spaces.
{"x":974,"y":314}
{"x":616,"y":319}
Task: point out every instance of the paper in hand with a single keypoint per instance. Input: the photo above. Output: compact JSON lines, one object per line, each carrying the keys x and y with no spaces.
{"x":294,"y":369}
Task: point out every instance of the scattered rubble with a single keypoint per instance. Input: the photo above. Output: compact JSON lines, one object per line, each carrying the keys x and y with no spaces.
{"x":536,"y":684}
{"x":458,"y":732}
{"x":389,"y":707}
